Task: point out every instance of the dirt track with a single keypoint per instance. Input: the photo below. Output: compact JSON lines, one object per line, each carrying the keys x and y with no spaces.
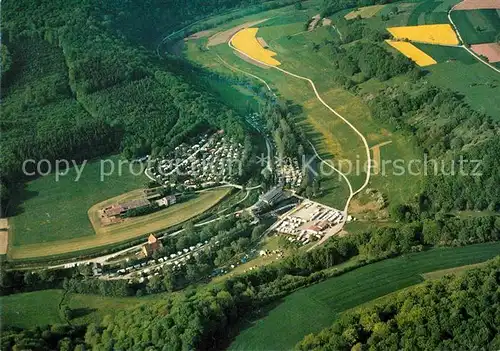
{"x":4,"y":235}
{"x":250,"y":60}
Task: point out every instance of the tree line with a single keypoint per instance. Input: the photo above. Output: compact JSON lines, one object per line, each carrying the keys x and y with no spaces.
{"x":78,"y":89}
{"x":206,"y":316}
{"x":455,"y":313}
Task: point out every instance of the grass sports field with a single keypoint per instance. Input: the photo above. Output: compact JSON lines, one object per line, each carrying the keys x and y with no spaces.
{"x":314,"y":308}
{"x":53,"y":210}
{"x":130,"y":229}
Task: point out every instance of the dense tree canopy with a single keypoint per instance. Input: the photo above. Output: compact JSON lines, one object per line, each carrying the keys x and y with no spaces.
{"x":77,"y":88}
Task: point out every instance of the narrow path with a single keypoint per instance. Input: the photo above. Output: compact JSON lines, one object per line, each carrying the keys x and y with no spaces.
{"x":244,"y":72}
{"x":365,"y":143}
{"x":463,"y":46}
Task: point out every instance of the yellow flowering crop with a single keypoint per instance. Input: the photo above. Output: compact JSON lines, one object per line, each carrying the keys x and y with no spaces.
{"x":412,"y":52}
{"x":246,"y":41}
{"x":440,"y":34}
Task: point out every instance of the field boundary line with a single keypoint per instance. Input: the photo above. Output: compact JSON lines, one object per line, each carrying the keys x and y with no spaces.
{"x":314,"y":149}
{"x":465,"y":47}
{"x":368,"y":156}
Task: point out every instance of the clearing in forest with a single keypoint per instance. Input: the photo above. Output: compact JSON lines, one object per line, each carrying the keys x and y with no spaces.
{"x":412,"y":52}
{"x":364,"y":12}
{"x":246,"y":41}
{"x":489,"y":50}
{"x":439,"y":34}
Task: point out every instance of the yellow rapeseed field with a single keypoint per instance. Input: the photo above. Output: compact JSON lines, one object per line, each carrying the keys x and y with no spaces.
{"x":440,"y":34}
{"x":246,"y":41}
{"x":412,"y":52}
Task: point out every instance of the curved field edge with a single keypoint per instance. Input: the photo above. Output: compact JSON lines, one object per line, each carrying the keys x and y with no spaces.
{"x":38,"y":308}
{"x":136,"y":228}
{"x":311,"y":309}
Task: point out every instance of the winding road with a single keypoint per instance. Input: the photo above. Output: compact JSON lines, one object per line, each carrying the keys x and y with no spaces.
{"x":463,"y":46}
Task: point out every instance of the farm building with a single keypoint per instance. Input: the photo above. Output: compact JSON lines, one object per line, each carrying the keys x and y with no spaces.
{"x":118,"y":209}
{"x":273,"y":196}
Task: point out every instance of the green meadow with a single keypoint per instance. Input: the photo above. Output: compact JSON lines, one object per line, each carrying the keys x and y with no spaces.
{"x":477,"y":26}
{"x":333,"y":139}
{"x":38,"y":308}
{"x":311,"y":309}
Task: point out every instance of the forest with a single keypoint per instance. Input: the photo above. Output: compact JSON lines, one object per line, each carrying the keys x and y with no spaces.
{"x":454,"y":313}
{"x":86,"y":87}
{"x":448,"y":131}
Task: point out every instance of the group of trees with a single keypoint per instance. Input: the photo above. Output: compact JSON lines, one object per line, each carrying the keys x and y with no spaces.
{"x":461,"y":145}
{"x":289,"y":137}
{"x":16,"y":281}
{"x":453,"y":313}
{"x":56,"y":337}
{"x":369,"y":60}
{"x":204,"y":317}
